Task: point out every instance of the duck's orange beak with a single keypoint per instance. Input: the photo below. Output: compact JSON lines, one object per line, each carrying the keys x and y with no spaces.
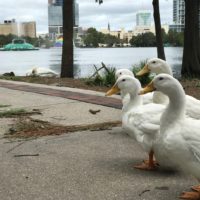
{"x":149,"y":88}
{"x":113,"y":90}
{"x":143,"y":71}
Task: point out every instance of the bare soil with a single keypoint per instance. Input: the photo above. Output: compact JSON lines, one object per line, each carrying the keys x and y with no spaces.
{"x":28,"y":127}
{"x":191,"y":87}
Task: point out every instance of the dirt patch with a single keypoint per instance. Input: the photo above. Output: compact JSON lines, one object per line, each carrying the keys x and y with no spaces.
{"x":191,"y":87}
{"x":28,"y":127}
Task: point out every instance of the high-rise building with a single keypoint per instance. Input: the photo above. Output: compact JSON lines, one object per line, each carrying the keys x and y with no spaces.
{"x":179,"y":16}
{"x":56,"y":19}
{"x":76,"y":14}
{"x":19,"y":29}
{"x":55,"y":2}
{"x":58,"y":2}
{"x":143,"y":22}
{"x":179,"y":11}
{"x":143,"y":18}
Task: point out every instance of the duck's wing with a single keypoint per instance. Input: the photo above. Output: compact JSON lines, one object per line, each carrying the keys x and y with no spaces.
{"x":191,"y":135}
{"x":147,"y":118}
{"x":192,"y":107}
{"x":150,"y":128}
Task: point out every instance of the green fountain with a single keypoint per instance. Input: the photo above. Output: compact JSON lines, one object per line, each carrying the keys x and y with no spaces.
{"x":18,"y":45}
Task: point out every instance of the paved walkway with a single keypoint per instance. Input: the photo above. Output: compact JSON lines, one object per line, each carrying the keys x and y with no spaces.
{"x":89,"y":165}
{"x":88,"y":98}
{"x":61,"y":105}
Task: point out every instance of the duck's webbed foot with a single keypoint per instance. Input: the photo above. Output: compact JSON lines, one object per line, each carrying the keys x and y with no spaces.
{"x":196,"y":188}
{"x":190,"y":195}
{"x":145,"y":166}
{"x":150,"y":164}
{"x":154,"y":162}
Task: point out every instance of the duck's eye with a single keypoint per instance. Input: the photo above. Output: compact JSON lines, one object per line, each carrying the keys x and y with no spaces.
{"x":123,"y":80}
{"x":154,"y":62}
{"x":120,"y":73}
{"x":161,"y":78}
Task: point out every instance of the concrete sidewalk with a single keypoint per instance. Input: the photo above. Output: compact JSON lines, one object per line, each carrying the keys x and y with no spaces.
{"x":63,"y":106}
{"x":87,"y":165}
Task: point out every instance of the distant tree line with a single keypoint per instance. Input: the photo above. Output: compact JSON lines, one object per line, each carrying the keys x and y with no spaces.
{"x":144,"y":40}
{"x":93,"y":38}
{"x":172,"y":38}
{"x":37,"y":42}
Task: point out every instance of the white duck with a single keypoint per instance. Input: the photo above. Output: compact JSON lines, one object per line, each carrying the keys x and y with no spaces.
{"x":157,"y":66}
{"x":123,"y":71}
{"x":179,"y":138}
{"x":41,"y":71}
{"x":140,"y":121}
{"x":119,"y":72}
{"x":125,"y":97}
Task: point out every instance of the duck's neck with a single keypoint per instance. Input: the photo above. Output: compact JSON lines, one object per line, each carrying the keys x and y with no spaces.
{"x":135,"y":100}
{"x":165,"y":69}
{"x":159,"y":97}
{"x":175,"y":110}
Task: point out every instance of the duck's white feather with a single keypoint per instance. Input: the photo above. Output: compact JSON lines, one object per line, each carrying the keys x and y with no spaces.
{"x":179,"y":140}
{"x":146,"y":120}
{"x":41,"y":71}
{"x":159,"y":66}
{"x":147,"y":98}
{"x":140,"y":121}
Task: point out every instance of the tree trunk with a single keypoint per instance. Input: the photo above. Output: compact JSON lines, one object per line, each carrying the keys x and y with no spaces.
{"x":156,"y":15}
{"x":191,"y":51}
{"x":67,"y":50}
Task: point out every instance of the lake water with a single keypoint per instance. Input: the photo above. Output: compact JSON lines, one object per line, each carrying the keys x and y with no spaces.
{"x":84,"y":58}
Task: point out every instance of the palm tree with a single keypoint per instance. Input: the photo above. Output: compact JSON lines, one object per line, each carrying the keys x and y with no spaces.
{"x":191,"y":51}
{"x":67,"y":50}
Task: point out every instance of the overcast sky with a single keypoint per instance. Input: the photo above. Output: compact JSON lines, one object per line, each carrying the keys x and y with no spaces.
{"x":119,"y":13}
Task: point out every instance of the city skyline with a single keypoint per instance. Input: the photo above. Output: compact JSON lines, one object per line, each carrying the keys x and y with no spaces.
{"x":119,"y":14}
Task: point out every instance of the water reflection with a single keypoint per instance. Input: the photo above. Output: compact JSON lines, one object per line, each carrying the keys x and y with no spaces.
{"x":84,"y":59}
{"x":123,"y":57}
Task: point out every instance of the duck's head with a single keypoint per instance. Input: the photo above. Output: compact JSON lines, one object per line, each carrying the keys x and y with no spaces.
{"x":121,"y":72}
{"x":126,"y":84}
{"x":155,"y":65}
{"x":164,"y":83}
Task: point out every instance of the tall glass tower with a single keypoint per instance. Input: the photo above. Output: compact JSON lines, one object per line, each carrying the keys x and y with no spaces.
{"x":56,"y":19}
{"x":179,"y":16}
{"x":143,"y":18}
{"x":58,"y":2}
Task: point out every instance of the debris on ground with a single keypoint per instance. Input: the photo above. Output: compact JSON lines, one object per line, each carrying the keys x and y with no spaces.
{"x":23,"y":155}
{"x":26,"y":127}
{"x":94,"y":112}
{"x":15,"y":112}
